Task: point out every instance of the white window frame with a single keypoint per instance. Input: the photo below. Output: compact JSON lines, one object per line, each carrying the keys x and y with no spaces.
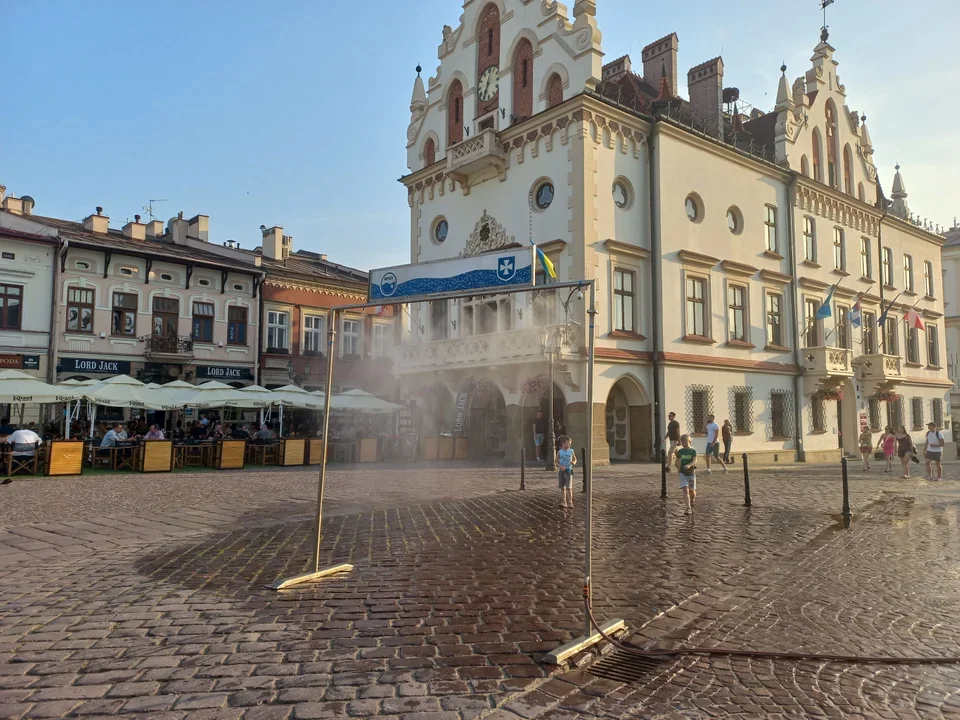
{"x":928,"y":285}
{"x":625,"y":298}
{"x":356,"y":337}
{"x":886,"y":267}
{"x":277,"y":330}
{"x":381,"y":339}
{"x":839,"y":250}
{"x":767,"y":293}
{"x":745,"y":312}
{"x":866,"y":266}
{"x":770,"y":229}
{"x":809,"y":239}
{"x":908,"y":273}
{"x":705,"y":305}
{"x":314,"y":340}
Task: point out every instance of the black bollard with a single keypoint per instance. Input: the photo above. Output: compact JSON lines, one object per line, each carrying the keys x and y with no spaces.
{"x":523,"y":468}
{"x":846,"y":493}
{"x":747,"y":500}
{"x":583,"y":456}
{"x":663,"y":473}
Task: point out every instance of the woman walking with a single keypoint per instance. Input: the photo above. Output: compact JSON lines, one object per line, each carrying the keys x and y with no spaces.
{"x":888,"y":443}
{"x":905,"y":449}
{"x":726,"y":434}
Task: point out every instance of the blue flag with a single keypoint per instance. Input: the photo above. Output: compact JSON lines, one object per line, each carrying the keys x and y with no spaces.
{"x":856,"y":315}
{"x":825,"y":310}
{"x":883,"y":315}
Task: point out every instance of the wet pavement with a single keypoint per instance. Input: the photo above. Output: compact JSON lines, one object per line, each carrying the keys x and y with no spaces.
{"x":144,"y":595}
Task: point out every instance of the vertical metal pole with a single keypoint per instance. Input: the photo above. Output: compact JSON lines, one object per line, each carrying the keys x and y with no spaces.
{"x":588,"y":459}
{"x":846,"y":493}
{"x":747,"y":500}
{"x":551,"y":463}
{"x":523,"y":468}
{"x":663,"y":473}
{"x":583,"y":470}
{"x":328,"y":393}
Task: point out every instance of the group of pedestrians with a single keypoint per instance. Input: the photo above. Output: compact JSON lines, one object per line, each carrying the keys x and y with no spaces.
{"x":900,"y":443}
{"x":682,"y":454}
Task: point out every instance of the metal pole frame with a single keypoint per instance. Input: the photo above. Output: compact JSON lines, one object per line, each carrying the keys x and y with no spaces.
{"x":319,"y":573}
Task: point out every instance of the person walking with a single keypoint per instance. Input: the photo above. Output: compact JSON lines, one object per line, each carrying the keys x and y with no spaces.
{"x":726,"y":434}
{"x":672,"y":436}
{"x":566,"y":459}
{"x":866,"y":447}
{"x":687,"y":469}
{"x":888,"y":443}
{"x":933,"y":451}
{"x":713,"y":444}
{"x":539,"y":430}
{"x":906,"y":450}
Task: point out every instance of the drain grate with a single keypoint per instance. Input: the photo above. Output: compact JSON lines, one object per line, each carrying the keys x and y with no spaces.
{"x":627,"y":668}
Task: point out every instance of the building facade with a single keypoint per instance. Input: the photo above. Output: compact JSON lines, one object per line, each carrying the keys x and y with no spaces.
{"x":713,"y":234}
{"x":299,"y":290}
{"x":951,"y":302}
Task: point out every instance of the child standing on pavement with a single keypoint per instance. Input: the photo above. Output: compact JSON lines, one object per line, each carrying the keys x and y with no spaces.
{"x":566,"y":459}
{"x":687,"y":468}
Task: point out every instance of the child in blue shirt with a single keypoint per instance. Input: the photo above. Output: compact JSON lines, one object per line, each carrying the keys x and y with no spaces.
{"x":566,"y":459}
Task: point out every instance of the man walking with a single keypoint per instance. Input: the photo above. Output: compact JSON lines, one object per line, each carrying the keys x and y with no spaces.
{"x":933,"y":451}
{"x":713,"y":444}
{"x":672,"y":436}
{"x":539,"y":428}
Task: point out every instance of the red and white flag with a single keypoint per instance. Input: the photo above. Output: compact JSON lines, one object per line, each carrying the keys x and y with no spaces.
{"x":912,"y":318}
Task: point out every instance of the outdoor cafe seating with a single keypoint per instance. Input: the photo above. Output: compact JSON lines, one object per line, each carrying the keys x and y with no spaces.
{"x":22,"y":458}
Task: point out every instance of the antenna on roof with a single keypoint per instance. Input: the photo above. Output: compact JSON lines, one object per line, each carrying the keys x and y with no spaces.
{"x":148,"y":208}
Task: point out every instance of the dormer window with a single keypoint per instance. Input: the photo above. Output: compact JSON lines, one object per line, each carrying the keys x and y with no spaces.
{"x":128,"y":271}
{"x":81,"y":265}
{"x":204,"y":282}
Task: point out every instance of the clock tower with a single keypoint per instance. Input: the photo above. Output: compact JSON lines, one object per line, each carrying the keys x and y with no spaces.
{"x":488,"y":61}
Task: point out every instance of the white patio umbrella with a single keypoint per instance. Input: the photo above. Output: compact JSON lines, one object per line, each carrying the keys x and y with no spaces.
{"x":296,"y":397}
{"x":17,"y":388}
{"x":360,"y":401}
{"x":124,"y":391}
{"x":259,"y":397}
{"x":175,"y":392}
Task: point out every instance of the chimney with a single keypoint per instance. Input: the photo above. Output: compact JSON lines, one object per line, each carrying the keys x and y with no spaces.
{"x":705,"y":85}
{"x":273,"y":242}
{"x":13,"y":205}
{"x":154,"y":229}
{"x":199,"y":227}
{"x":135,"y":230}
{"x":617,"y":69}
{"x":177,"y":227}
{"x":3,"y":189}
{"x":98,"y":223}
{"x":661,"y":56}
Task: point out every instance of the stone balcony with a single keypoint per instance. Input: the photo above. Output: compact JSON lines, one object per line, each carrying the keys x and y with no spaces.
{"x":826,"y":367}
{"x":883,"y":372}
{"x":510,"y":347}
{"x":475,"y":155}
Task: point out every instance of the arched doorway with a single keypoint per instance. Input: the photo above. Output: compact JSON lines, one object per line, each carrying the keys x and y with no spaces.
{"x":628,"y":422}
{"x":536,"y":398}
{"x":486,"y":420}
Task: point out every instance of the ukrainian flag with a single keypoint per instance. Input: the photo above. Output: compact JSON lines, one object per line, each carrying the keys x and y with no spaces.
{"x":548,"y":267}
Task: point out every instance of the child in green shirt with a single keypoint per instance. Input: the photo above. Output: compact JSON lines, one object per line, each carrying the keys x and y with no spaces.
{"x":687,"y":469}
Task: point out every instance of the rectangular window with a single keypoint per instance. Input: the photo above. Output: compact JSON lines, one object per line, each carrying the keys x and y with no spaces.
{"x":890,"y":345}
{"x":818,"y":409}
{"x":166,"y":319}
{"x":937,"y":407}
{"x":888,"y":267}
{"x":774,"y":324}
{"x":203,"y":315}
{"x":908,"y":273}
{"x":770,"y":228}
{"x":526,"y":69}
{"x":623,"y":300}
{"x":911,"y":335}
{"x":79,"y":310}
{"x":809,"y":239}
{"x":839,"y":250}
{"x":742,"y":416}
{"x":439,"y":320}
{"x":124,"y":320}
{"x":11,"y":303}
{"x":933,"y":346}
{"x":696,"y":307}
{"x":779,"y":414}
{"x":916,"y":413}
{"x":874,"y":410}
{"x":350,"y":341}
{"x":895,"y":413}
{"x":237,"y":325}
{"x":928,"y":286}
{"x":313,"y":334}
{"x":869,"y":334}
{"x":381,"y":340}
{"x":737,"y":312}
{"x":278,"y":330}
{"x":700,"y":406}
{"x":811,"y":323}
{"x":866,"y":267}
{"x":842,"y":329}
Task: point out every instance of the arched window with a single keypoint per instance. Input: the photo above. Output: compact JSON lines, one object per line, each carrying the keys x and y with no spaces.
{"x":488,"y":59}
{"x":831,"y":114}
{"x":804,"y":166}
{"x":455,"y":113}
{"x":554,"y":90}
{"x":429,"y":153}
{"x":861,"y":196}
{"x":847,"y":170}
{"x":523,"y":80}
{"x":817,"y":159}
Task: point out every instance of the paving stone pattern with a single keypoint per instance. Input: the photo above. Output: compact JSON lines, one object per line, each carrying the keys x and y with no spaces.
{"x":146,"y":597}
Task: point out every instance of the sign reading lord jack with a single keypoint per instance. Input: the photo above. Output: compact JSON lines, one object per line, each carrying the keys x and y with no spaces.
{"x":219,"y":372}
{"x":95,"y":365}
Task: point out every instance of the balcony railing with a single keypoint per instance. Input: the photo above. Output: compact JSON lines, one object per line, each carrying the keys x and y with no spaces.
{"x":827,"y":361}
{"x":475,"y":154}
{"x":478,"y":350}
{"x":882,"y":369}
{"x":181,"y":345}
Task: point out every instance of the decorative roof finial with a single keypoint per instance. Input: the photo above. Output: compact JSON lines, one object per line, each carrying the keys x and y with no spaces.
{"x":783,"y":68}
{"x":419,"y":69}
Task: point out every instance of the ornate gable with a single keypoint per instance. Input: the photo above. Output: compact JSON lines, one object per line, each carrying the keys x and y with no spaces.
{"x":488,"y":234}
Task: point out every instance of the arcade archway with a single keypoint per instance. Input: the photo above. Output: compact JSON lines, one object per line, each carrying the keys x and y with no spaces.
{"x":628,"y":421}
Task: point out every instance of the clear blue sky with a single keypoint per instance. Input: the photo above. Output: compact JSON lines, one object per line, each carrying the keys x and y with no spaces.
{"x":294,"y":112}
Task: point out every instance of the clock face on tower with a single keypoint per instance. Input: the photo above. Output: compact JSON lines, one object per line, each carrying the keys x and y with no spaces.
{"x":489,"y":83}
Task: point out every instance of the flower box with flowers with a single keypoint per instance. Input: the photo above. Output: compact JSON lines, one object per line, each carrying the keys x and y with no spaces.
{"x":831,"y":394}
{"x":534,"y":386}
{"x":886,"y":396}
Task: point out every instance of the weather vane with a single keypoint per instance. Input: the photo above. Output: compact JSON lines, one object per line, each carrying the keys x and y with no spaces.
{"x":823,"y":6}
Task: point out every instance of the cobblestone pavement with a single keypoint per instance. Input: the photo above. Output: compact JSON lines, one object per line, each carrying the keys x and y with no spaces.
{"x":453,"y":601}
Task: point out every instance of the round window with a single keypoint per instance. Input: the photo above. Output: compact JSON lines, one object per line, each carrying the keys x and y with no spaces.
{"x":734,"y":221}
{"x":440,"y":229}
{"x":622,"y":194}
{"x":693,"y":208}
{"x":544,"y":195}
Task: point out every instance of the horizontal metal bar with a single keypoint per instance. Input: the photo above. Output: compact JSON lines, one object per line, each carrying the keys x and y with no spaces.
{"x":582,"y":643}
{"x":309,"y":577}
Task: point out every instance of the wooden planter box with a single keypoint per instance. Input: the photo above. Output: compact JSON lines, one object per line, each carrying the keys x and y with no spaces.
{"x":156,"y":456}
{"x":314,"y":451}
{"x":65,"y":457}
{"x":292,"y":451}
{"x":230,"y":454}
{"x":367,"y":450}
{"x":431,"y":448}
{"x":445,"y":450}
{"x":461,"y":449}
